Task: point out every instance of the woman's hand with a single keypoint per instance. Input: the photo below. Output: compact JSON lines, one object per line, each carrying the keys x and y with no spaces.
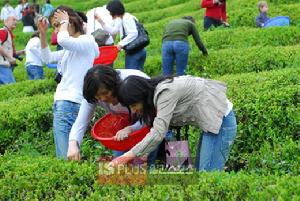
{"x":123,"y":134}
{"x":61,"y":15}
{"x":42,"y":25}
{"x":73,"y":151}
{"x":124,"y":159}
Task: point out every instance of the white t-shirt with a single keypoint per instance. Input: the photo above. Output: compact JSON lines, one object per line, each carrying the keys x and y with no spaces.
{"x":75,"y":59}
{"x":33,"y":52}
{"x":86,"y":111}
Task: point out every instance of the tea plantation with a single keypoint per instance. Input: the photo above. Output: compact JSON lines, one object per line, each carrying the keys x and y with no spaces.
{"x":261,"y":68}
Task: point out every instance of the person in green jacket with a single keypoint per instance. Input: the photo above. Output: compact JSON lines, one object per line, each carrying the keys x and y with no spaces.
{"x":175,"y":47}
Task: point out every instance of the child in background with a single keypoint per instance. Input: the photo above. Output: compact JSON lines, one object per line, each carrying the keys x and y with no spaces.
{"x":262,"y":18}
{"x":34,"y":64}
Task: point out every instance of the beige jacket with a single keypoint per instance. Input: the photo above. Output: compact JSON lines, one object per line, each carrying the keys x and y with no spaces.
{"x":185,"y":101}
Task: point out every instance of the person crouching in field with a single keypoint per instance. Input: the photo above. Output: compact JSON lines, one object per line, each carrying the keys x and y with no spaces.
{"x":262,"y":18}
{"x":179,"y":101}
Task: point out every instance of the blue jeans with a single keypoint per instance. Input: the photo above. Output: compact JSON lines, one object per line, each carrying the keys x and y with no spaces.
{"x":35,"y":72}
{"x":175,"y":51}
{"x":208,"y":22}
{"x":136,"y":60}
{"x":6,"y":75}
{"x":213,"y":150}
{"x":64,"y":116}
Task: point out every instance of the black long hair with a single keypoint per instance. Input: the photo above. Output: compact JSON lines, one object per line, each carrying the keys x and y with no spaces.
{"x":100,"y":76}
{"x":135,"y":89}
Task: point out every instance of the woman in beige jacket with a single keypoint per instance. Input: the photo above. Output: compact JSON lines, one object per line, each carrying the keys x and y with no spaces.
{"x":179,"y":101}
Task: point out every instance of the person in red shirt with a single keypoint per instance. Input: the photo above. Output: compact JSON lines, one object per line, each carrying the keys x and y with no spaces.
{"x":215,"y":14}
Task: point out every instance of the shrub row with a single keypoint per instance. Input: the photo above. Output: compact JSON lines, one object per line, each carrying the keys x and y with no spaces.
{"x":45,"y":178}
{"x":240,"y":38}
{"x":265,"y":106}
{"x":244,"y":14}
{"x":26,"y":88}
{"x":227,"y":61}
{"x":30,"y":115}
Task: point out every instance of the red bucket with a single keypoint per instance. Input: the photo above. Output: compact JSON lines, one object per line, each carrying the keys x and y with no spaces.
{"x":108,"y":55}
{"x":106,"y":128}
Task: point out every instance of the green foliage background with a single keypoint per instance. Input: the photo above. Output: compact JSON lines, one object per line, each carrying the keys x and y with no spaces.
{"x":261,"y":68}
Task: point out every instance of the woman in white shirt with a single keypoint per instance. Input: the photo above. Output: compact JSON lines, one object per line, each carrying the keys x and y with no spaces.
{"x":124,"y":22}
{"x":34,"y":64}
{"x":77,"y":56}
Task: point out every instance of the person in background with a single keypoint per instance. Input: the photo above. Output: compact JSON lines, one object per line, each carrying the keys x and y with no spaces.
{"x":28,"y":16}
{"x":34,"y":64}
{"x":20,"y":7}
{"x":8,"y":53}
{"x":175,"y":47}
{"x":7,"y":10}
{"x":124,"y":21}
{"x":263,"y":11}
{"x":180,"y":101}
{"x":215,"y":14}
{"x":76,"y":58}
{"x":47,"y":9}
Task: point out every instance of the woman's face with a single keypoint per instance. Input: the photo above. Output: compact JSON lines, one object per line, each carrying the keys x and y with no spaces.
{"x":137,"y":108}
{"x":106,"y":96}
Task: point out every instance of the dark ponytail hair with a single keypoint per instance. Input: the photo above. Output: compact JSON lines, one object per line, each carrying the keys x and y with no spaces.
{"x":135,"y":89}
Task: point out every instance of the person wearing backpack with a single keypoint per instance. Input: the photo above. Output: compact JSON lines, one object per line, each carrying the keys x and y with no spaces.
{"x":8,"y":53}
{"x":125,"y":25}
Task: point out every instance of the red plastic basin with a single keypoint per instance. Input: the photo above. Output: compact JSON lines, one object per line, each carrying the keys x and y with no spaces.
{"x":106,"y":128}
{"x":108,"y":55}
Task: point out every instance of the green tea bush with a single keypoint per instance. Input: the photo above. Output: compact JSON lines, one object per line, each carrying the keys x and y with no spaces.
{"x":45,"y":178}
{"x":266,"y":106}
{"x":30,"y":115}
{"x":227,"y":61}
{"x":26,"y":88}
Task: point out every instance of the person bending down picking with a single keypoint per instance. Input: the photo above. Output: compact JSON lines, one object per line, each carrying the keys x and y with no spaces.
{"x":100,"y":89}
{"x":179,"y":101}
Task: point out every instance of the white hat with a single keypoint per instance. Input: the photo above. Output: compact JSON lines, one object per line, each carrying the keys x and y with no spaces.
{"x":10,"y":14}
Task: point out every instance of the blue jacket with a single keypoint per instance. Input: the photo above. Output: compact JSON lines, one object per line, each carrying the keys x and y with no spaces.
{"x":261,"y":19}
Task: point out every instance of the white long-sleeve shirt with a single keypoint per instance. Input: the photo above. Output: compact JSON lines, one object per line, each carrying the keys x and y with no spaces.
{"x":33,"y":52}
{"x":76,"y":58}
{"x":87,"y":110}
{"x":128,"y":22}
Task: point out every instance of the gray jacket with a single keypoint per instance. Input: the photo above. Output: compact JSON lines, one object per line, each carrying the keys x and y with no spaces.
{"x":185,"y":101}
